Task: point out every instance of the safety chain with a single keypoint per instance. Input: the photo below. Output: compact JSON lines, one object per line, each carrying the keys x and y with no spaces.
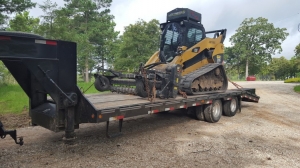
{"x":182,"y":93}
{"x":235,"y":84}
{"x":146,"y":83}
{"x":83,"y":91}
{"x":152,"y":99}
{"x":151,"y":96}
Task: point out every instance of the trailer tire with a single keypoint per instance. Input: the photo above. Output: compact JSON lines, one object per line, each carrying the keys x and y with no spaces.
{"x":140,"y":89}
{"x":230,"y":107}
{"x":199,"y":113}
{"x":213,"y":112}
{"x":99,"y":85}
{"x":20,"y":34}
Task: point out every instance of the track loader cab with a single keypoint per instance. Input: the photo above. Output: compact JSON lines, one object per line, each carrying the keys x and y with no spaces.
{"x":183,"y":35}
{"x":182,"y":30}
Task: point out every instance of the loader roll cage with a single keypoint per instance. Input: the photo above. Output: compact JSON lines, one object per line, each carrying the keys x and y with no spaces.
{"x":175,"y":34}
{"x":182,"y":33}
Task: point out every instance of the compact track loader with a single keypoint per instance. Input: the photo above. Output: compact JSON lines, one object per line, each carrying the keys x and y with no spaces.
{"x":187,"y":62}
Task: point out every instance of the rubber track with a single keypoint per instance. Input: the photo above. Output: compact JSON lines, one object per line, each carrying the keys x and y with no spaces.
{"x":186,"y":81}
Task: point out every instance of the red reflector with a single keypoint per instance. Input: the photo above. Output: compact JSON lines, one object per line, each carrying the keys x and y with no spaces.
{"x":155,"y":111}
{"x":51,"y":42}
{"x":120,"y":117}
{"x":5,"y":38}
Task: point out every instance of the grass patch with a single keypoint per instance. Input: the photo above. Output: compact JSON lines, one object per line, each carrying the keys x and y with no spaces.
{"x":292,"y":80}
{"x":14,"y":100}
{"x":85,"y":87}
{"x":297,"y":88}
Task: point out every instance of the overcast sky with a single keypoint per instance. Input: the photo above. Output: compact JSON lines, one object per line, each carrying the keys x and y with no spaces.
{"x":216,"y":14}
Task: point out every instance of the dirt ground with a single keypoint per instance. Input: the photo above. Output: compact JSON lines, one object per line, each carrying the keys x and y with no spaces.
{"x":264,"y":134}
{"x":12,"y":121}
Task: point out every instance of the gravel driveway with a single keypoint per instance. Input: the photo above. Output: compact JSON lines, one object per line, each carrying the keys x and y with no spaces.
{"x":264,"y":134}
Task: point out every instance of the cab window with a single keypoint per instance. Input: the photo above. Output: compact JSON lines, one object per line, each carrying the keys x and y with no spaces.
{"x":194,"y":35}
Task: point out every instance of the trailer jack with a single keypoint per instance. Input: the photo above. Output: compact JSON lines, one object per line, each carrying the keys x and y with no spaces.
{"x":114,"y":134}
{"x":12,"y":133}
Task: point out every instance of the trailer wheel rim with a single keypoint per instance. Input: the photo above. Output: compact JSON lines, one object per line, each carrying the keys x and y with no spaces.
{"x":233,"y":105}
{"x":216,"y":110}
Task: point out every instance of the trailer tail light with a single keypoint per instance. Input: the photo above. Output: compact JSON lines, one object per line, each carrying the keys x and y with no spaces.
{"x":153,"y":111}
{"x":183,"y":106}
{"x":169,"y":109}
{"x":5,"y":38}
{"x":47,"y":42}
{"x":116,"y":118}
{"x":196,"y":104}
{"x":120,"y":117}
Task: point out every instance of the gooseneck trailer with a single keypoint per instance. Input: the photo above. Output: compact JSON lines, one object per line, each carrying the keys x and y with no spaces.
{"x":46,"y":71}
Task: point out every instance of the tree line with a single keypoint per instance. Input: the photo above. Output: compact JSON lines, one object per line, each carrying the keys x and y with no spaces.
{"x":253,"y":45}
{"x":90,"y":24}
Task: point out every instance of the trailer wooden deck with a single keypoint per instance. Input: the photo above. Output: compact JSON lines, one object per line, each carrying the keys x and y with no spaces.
{"x":115,"y":100}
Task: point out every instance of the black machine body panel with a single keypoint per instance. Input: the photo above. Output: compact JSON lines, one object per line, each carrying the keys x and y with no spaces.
{"x":47,"y":72}
{"x":179,"y":14}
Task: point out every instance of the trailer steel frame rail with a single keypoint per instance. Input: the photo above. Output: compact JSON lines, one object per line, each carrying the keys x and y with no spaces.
{"x":47,"y":68}
{"x":114,"y":106}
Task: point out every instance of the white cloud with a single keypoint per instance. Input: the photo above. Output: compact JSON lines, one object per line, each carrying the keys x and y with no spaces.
{"x":128,"y":12}
{"x":216,"y":14}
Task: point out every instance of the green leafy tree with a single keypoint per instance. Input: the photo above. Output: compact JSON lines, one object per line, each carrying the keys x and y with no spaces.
{"x":113,"y":47}
{"x":296,"y":58}
{"x":138,"y":42}
{"x":47,"y":27}
{"x":297,"y":50}
{"x":91,"y":26}
{"x":86,"y":22}
{"x":62,"y":26}
{"x":257,"y":40}
{"x":295,"y":66}
{"x":8,"y":7}
{"x":233,"y":61}
{"x":24,"y":23}
{"x":104,"y":39}
{"x":280,"y":68}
